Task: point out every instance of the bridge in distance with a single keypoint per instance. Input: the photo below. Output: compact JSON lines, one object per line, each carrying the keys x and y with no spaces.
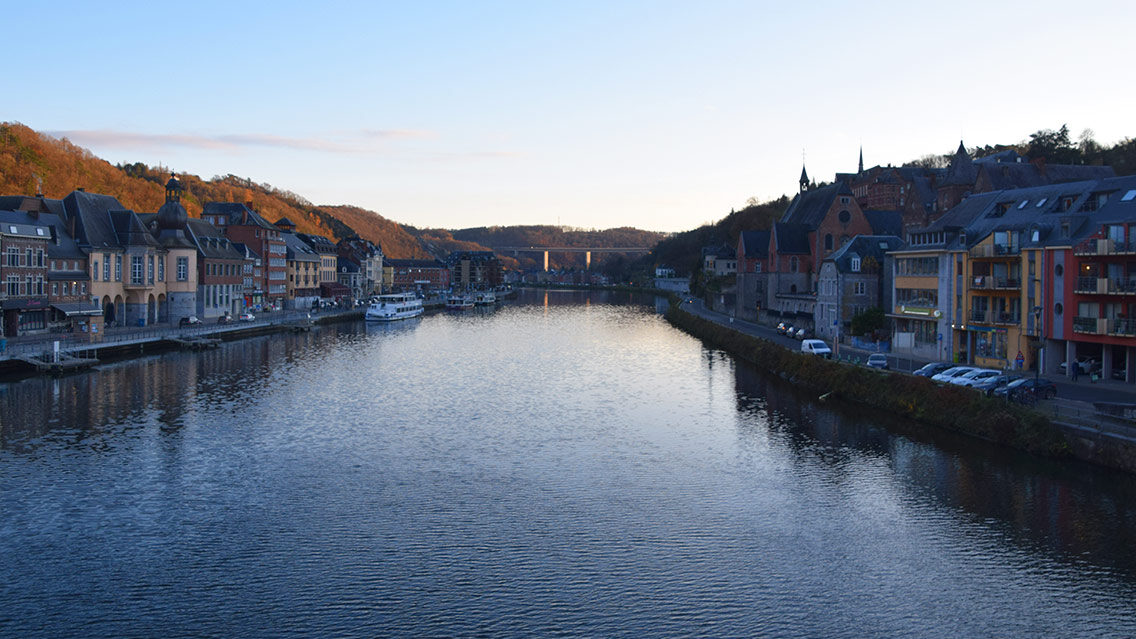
{"x":586,"y":250}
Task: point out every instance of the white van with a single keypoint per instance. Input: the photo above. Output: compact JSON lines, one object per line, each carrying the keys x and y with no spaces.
{"x":816,"y":347}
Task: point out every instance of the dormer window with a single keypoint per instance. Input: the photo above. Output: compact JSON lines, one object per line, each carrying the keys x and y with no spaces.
{"x":855,"y":265}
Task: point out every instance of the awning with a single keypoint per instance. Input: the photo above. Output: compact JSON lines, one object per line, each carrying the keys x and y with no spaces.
{"x":71,"y":309}
{"x":333,"y":289}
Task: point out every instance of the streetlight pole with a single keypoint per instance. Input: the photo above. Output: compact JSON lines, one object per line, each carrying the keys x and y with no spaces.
{"x":1040,"y":344}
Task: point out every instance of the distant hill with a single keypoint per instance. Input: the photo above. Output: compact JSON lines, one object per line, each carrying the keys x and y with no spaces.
{"x":683,"y":251}
{"x":29,"y":159}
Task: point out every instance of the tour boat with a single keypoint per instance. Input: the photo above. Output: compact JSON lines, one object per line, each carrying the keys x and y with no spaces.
{"x":388,"y":308}
{"x":459,"y":302}
{"x":485,"y":298}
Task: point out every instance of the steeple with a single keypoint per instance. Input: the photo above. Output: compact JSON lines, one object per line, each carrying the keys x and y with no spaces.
{"x":861,"y":169}
{"x":804,"y":179}
{"x":173,"y":190}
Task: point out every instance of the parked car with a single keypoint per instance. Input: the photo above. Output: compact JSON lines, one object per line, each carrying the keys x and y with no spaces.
{"x":877,"y":360}
{"x":949,"y":374}
{"x":188,"y":321}
{"x":784,"y":328}
{"x":224,"y":319}
{"x":246,"y":317}
{"x":816,"y":347}
{"x":991,"y":384}
{"x":977,"y":375}
{"x":800,"y":333}
{"x":932,"y":369}
{"x":1028,"y":390}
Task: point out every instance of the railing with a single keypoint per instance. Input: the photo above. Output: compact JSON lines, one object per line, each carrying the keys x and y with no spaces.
{"x":1007,"y":318}
{"x":995,"y":250}
{"x":1090,"y":325}
{"x":1122,"y":287}
{"x":989,"y":282}
{"x":981,"y":317}
{"x":1089,"y":284}
{"x":1105,"y":246}
{"x":1124,"y":327}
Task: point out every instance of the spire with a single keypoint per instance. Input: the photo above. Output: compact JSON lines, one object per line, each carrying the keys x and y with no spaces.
{"x":861,"y":170}
{"x":173,"y":189}
{"x":804,"y":179}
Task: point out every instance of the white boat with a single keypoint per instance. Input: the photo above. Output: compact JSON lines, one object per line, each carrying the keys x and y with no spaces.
{"x":459,"y":302}
{"x":485,"y":298}
{"x":388,"y":308}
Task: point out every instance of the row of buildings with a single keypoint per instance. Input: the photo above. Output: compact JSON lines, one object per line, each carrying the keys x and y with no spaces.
{"x":84,"y":262}
{"x":998,"y":261}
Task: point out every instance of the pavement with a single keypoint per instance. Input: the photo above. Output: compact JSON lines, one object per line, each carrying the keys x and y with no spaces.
{"x":1082,"y":390}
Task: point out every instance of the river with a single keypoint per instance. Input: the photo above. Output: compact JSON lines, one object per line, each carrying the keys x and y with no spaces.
{"x":568,"y":464}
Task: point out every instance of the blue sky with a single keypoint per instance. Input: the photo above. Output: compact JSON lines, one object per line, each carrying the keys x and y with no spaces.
{"x":660,"y":115}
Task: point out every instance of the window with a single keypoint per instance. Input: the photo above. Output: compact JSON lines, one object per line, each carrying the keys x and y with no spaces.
{"x":844,"y":216}
{"x":1023,"y":204}
{"x":29,"y":261}
{"x":828,"y":241}
{"x":182,"y":269}
{"x":1129,"y":196}
{"x":106,"y":267}
{"x":844,"y":200}
{"x":162,"y":270}
{"x":1058,"y":270}
{"x":118,"y":268}
{"x":95,"y":271}
{"x":150,"y":269}
{"x":793,"y":264}
{"x":1041,"y":202}
{"x":54,"y":288}
{"x":136,"y":266}
{"x":855,"y":265}
{"x":858,"y":288}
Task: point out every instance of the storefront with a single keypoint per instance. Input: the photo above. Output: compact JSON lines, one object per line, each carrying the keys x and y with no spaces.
{"x":25,"y":316}
{"x":79,"y":318}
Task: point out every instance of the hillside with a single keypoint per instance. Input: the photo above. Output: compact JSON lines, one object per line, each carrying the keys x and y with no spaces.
{"x":395,"y":239}
{"x":683,"y":251}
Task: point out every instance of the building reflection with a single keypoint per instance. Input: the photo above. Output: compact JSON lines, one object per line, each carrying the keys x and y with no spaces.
{"x":1066,"y":507}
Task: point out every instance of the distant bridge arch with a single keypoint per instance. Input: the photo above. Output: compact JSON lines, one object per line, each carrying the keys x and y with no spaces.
{"x":586,"y":250}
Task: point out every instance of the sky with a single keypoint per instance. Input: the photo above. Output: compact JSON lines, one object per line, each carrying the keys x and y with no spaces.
{"x":653,"y":114}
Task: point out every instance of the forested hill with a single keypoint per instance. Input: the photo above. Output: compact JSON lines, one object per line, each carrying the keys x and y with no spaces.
{"x":29,"y":158}
{"x":683,"y":251}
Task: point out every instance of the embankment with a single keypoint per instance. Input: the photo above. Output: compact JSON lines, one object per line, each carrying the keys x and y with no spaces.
{"x":916,"y":398}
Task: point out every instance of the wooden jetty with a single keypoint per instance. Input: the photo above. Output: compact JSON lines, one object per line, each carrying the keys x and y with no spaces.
{"x":64,"y":363}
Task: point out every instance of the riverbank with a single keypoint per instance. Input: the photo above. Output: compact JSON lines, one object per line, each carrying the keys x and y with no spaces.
{"x":916,"y":398}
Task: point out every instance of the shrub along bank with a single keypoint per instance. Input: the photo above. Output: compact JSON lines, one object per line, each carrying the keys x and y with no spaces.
{"x":918,"y":398}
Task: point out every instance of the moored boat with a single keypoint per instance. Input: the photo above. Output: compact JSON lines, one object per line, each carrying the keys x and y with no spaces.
{"x":485,"y":298}
{"x":459,"y":302}
{"x":396,"y":306}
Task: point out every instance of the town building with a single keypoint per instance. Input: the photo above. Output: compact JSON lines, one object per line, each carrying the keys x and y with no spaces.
{"x":368,"y":256}
{"x":474,"y":270}
{"x":330,"y":288}
{"x":221,"y":277}
{"x":24,"y":271}
{"x":415,"y":275}
{"x":852,"y":280}
{"x":242,"y":225}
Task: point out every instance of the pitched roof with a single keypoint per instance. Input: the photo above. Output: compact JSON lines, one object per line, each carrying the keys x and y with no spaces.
{"x":862,"y":246}
{"x":810,"y":207}
{"x":791,"y":238}
{"x":755,"y":244}
{"x":211,"y":243}
{"x":885,"y":222}
{"x":297,"y":250}
{"x":236,"y":214}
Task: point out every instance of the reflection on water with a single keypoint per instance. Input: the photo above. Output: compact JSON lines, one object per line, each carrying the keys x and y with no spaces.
{"x":566,"y":464}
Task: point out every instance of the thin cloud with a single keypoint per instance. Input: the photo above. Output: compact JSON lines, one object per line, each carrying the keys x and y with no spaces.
{"x":358,"y":142}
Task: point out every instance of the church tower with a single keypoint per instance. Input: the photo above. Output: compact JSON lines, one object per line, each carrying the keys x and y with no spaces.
{"x":804,"y":179}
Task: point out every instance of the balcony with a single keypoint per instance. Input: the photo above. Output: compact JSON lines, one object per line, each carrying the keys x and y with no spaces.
{"x":1007,"y":319}
{"x":995,"y":317}
{"x":1122,"y":327}
{"x":1105,"y":247}
{"x":994,"y":250}
{"x":1090,"y":325}
{"x":991,"y":283}
{"x":1090,"y":284}
{"x":1122,"y":287}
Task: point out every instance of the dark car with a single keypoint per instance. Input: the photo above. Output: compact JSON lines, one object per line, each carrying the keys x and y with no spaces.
{"x":188,"y":321}
{"x":1027,"y":390}
{"x":932,"y":369}
{"x":991,"y":384}
{"x":784,"y":328}
{"x":224,"y":319}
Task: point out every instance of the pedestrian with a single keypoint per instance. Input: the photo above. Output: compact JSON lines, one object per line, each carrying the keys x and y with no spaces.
{"x":1076,"y":369}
